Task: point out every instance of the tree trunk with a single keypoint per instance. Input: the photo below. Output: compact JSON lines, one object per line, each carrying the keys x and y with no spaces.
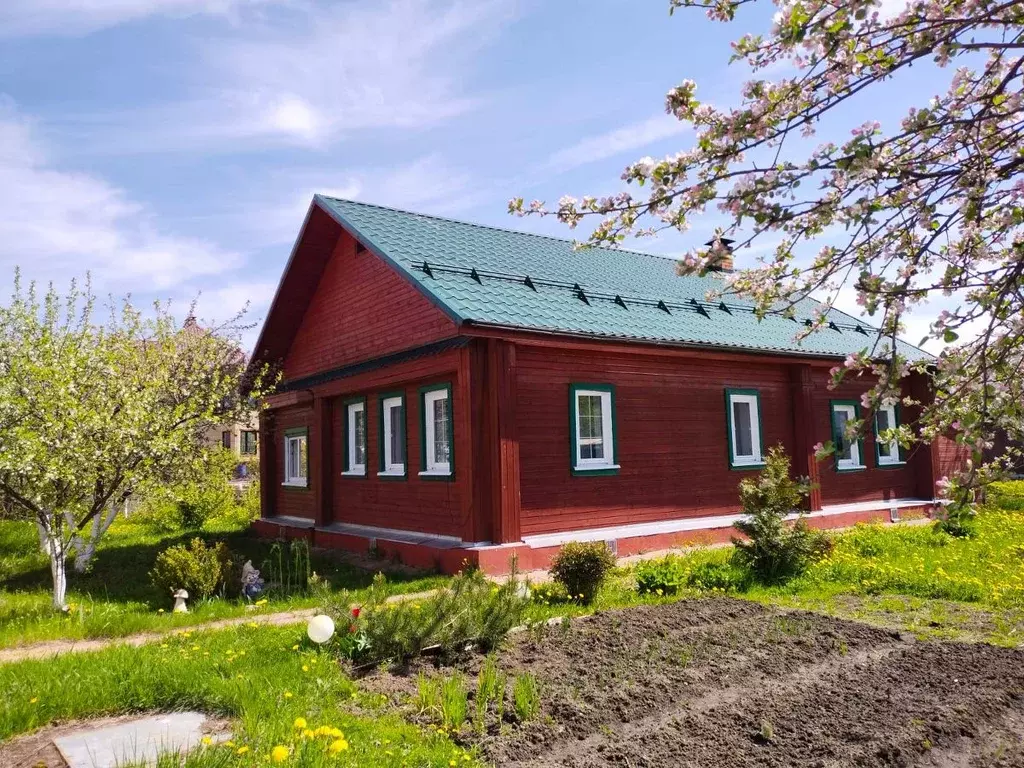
{"x":58,"y":569}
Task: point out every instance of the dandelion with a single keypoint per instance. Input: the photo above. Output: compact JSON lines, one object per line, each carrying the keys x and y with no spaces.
{"x":338,"y":745}
{"x":261,"y":602}
{"x":305,"y":668}
{"x":34,"y":700}
{"x":295,"y":647}
{"x":279,"y":753}
{"x":207,"y":741}
{"x":300,"y":723}
{"x":242,"y":750}
{"x":287,"y":694}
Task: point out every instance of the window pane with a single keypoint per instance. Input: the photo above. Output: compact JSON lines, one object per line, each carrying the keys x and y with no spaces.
{"x":442,"y":450}
{"x":359,"y":454}
{"x":590,"y":417}
{"x":843,"y":445}
{"x":302,"y":456}
{"x":397,"y":418}
{"x":742,"y":425}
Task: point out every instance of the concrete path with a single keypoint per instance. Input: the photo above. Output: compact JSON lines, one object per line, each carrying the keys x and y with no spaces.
{"x":59,"y":647}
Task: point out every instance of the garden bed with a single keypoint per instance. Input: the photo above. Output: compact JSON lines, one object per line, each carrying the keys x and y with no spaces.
{"x":727,"y":682}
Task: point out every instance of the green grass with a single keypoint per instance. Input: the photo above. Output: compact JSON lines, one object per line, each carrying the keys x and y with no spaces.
{"x":254,"y":674}
{"x":115,"y":598}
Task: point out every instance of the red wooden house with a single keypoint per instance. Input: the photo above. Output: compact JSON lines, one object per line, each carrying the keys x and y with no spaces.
{"x":458,"y":392}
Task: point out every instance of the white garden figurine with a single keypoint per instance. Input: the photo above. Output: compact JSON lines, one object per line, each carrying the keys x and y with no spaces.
{"x":320,"y":629}
{"x":180,"y":596}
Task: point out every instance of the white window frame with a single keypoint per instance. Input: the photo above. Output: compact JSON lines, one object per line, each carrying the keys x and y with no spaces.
{"x":432,"y":465}
{"x":894,"y":446}
{"x":351,"y":411}
{"x":856,"y":461}
{"x":607,"y":461}
{"x":755,"y":458}
{"x":292,"y":477}
{"x":391,"y":468}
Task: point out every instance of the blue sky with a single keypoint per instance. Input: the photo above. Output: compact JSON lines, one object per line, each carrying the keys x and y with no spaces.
{"x":171,"y":147}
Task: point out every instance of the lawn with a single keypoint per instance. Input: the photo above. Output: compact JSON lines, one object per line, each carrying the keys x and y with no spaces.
{"x":115,"y":597}
{"x":906,"y":577}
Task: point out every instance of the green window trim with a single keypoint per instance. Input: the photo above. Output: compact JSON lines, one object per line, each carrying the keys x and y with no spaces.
{"x":381,"y":471}
{"x":424,"y":473}
{"x":835,"y":436}
{"x":611,"y":467}
{"x":287,"y":483}
{"x":346,"y":471}
{"x":730,"y":392}
{"x":901,"y":460}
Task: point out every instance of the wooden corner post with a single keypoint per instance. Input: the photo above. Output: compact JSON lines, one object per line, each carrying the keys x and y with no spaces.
{"x":804,"y":462}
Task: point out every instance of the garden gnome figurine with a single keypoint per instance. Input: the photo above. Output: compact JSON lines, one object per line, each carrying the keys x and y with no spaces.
{"x":180,"y":596}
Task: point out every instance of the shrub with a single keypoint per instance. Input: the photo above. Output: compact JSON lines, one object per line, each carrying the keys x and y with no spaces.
{"x":775,"y":551}
{"x":669,"y":574}
{"x":581,"y":567}
{"x":470,"y":611}
{"x":196,"y":568}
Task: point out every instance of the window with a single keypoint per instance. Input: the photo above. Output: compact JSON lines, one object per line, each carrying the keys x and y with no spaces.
{"x":886,"y":417}
{"x":592,"y":429}
{"x":225,"y":439}
{"x":392,"y":431}
{"x":743,"y":415}
{"x":436,"y":431}
{"x":296,"y":465}
{"x":355,"y":437}
{"x":849,"y":452}
{"x":249,"y":442}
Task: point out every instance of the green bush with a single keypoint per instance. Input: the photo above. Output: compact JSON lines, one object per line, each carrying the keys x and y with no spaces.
{"x":672,"y":573}
{"x":1007,"y":495}
{"x":470,"y":611}
{"x":774,"y":550}
{"x":581,"y":567}
{"x":189,"y":505}
{"x":196,"y":568}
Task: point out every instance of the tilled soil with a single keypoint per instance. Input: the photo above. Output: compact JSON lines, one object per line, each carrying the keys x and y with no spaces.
{"x":722,"y":682}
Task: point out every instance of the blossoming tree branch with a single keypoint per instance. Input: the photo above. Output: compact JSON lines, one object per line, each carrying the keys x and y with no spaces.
{"x":927,"y":207}
{"x":94,"y":408}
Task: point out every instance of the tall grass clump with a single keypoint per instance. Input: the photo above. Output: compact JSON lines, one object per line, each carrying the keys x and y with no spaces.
{"x":525,"y":697}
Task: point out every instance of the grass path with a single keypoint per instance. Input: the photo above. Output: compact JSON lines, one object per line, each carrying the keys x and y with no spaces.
{"x":53,"y":648}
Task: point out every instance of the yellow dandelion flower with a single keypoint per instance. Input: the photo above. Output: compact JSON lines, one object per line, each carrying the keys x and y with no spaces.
{"x":34,"y":700}
{"x":338,"y":745}
{"x":206,"y":740}
{"x":242,"y":750}
{"x":300,"y":723}
{"x":287,"y":694}
{"x":305,"y":668}
{"x":295,"y":647}
{"x":308,"y":734}
{"x":279,"y":753}
{"x":229,"y":743}
{"x":261,"y":602}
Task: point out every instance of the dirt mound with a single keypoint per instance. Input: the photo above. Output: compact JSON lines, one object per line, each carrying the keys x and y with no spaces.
{"x":722,"y":682}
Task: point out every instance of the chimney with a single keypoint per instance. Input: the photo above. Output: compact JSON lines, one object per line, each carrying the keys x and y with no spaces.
{"x":721,"y":248}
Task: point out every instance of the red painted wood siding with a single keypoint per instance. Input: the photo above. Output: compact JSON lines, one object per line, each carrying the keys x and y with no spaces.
{"x":672,"y":439}
{"x":295,"y":502}
{"x":672,"y":442}
{"x":952,"y":456}
{"x":361,"y":309}
{"x":870,"y":484}
{"x":413,"y":503}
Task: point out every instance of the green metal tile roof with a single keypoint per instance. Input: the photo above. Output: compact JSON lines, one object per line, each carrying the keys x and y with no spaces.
{"x":477,"y":274}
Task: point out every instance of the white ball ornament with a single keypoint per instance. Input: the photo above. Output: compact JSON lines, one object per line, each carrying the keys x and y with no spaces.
{"x":320,"y":629}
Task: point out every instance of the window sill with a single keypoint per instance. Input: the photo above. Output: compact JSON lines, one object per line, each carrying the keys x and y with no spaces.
{"x":851,"y":468}
{"x":747,"y":465}
{"x":603,"y":469}
{"x":392,"y":474}
{"x":295,"y":484}
{"x":435,"y":473}
{"x":891,"y":464}
{"x":354,"y":473}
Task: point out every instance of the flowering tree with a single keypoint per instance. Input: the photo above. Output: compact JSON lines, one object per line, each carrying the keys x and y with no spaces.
{"x":931,"y":206}
{"x":90,"y":411}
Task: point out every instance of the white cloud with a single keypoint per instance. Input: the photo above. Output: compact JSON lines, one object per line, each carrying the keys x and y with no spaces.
{"x":20,"y":17}
{"x":56,"y":224}
{"x":628,"y":138}
{"x":312,"y":74}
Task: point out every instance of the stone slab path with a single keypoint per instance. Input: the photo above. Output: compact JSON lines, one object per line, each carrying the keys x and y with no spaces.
{"x":141,"y":740}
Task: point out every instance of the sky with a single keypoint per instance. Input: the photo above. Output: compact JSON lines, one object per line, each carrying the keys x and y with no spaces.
{"x":170,"y":148}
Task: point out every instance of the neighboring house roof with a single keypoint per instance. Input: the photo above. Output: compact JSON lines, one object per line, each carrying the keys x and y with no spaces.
{"x":484,"y":275}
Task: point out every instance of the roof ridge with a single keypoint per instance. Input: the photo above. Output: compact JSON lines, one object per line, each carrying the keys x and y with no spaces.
{"x":508,"y":230}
